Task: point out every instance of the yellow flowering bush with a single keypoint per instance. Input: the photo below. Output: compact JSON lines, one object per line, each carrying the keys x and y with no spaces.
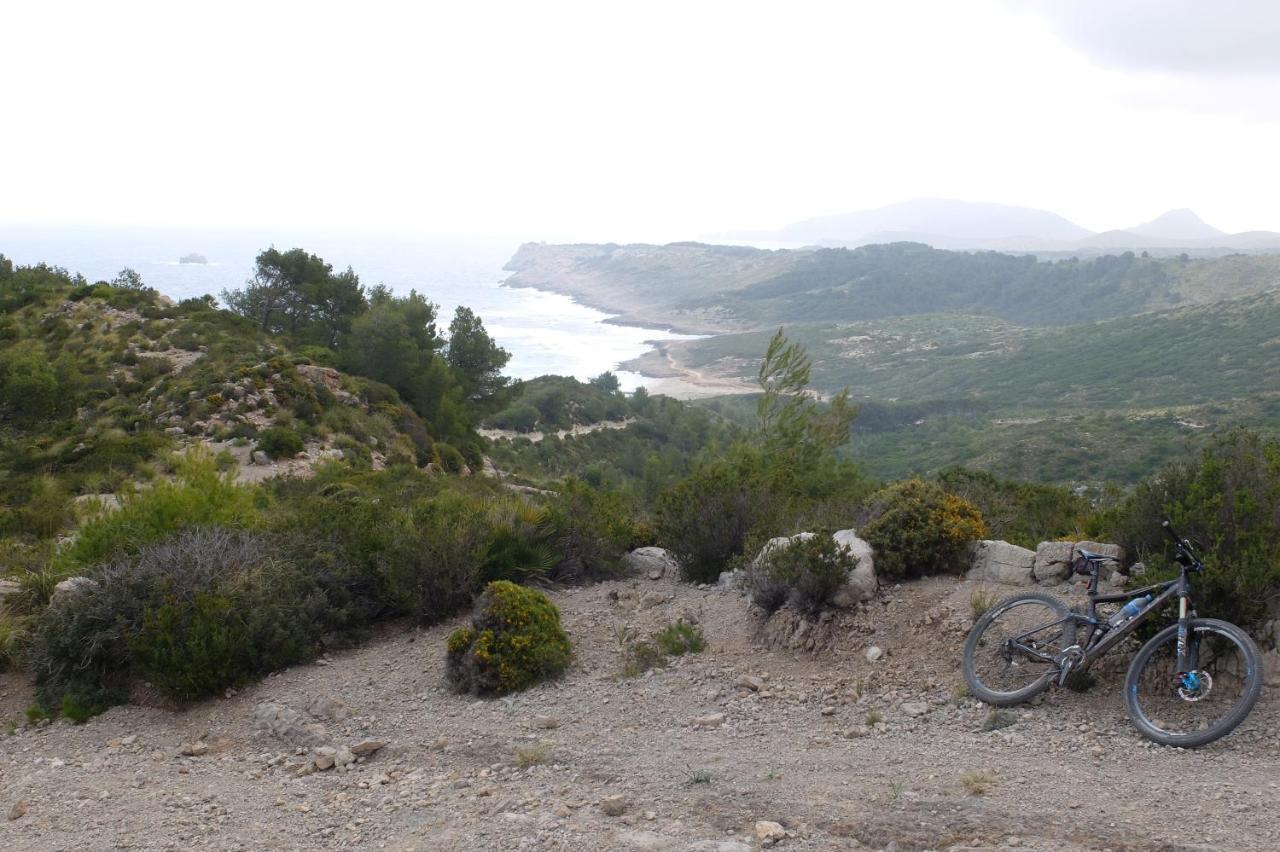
{"x":919,"y":529}
{"x":515,"y":640}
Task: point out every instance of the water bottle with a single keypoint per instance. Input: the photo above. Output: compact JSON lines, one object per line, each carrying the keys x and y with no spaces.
{"x":1129,"y":610}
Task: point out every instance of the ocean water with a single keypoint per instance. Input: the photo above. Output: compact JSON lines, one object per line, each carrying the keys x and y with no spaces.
{"x":544,"y":332}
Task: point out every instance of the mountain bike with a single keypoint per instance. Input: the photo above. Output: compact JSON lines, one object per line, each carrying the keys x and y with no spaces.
{"x":1191,"y":683}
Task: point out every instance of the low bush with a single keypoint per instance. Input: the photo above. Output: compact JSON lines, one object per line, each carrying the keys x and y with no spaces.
{"x":194,"y":614}
{"x":918,"y":529}
{"x":805,"y":573}
{"x":676,"y":639}
{"x":198,"y":496}
{"x":1228,"y":498}
{"x":515,"y":640}
{"x":591,"y":530}
{"x":705,"y":518}
{"x":280,"y":443}
{"x":1022,"y":513}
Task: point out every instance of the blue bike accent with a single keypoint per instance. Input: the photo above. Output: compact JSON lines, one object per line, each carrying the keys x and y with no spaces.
{"x":1191,"y":681}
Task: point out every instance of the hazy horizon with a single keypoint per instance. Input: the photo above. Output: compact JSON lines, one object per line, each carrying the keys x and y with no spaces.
{"x":584,"y":122}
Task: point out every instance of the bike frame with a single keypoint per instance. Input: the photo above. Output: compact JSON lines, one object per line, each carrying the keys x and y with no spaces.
{"x":1102,"y":638}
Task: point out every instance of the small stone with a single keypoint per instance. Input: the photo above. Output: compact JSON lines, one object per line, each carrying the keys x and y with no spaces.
{"x":750,"y":682}
{"x":129,"y":740}
{"x":325,"y":757}
{"x":260,"y":458}
{"x":563,"y":811}
{"x":196,"y":749}
{"x":711,"y":720}
{"x":546,"y":722}
{"x":828,"y":711}
{"x":769,"y":831}
{"x":19,"y":810}
{"x":874,"y":653}
{"x":614,"y":805}
{"x":364,"y":748}
{"x":914,"y":709}
{"x":343,"y":756}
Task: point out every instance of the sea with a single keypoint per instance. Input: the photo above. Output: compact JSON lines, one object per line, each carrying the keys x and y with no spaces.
{"x":546,"y":333}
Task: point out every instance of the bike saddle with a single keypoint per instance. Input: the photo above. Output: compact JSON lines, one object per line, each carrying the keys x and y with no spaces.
{"x":1095,"y":557}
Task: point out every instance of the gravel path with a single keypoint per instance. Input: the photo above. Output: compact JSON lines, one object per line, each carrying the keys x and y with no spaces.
{"x":691,"y":757}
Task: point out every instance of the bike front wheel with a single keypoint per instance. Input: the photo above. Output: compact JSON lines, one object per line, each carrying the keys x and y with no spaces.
{"x":1190,"y":709}
{"x":1009,"y":655}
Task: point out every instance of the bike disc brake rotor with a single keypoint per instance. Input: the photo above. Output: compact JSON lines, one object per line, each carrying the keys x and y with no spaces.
{"x":1194,"y":685}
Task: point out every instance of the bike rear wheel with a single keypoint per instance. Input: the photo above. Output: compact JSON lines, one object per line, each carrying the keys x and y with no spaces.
{"x":1174,"y":709}
{"x":997,"y":666}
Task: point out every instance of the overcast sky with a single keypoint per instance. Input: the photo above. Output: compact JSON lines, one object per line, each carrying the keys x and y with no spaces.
{"x":633,"y":121}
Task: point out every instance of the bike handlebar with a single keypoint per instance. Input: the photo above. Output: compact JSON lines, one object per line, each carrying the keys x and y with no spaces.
{"x":1183,"y":545}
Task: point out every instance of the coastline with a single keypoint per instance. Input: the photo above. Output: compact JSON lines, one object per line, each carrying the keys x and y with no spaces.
{"x":664,"y":373}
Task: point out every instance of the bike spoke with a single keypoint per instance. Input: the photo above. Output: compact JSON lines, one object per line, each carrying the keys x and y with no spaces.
{"x":1180,"y":703}
{"x":1006,"y":658}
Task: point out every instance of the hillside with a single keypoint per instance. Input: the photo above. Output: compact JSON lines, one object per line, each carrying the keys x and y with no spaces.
{"x":721,"y":289}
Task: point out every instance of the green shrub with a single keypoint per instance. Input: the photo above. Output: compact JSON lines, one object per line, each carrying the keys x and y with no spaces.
{"x":1022,"y":513}
{"x":706,"y":517}
{"x":1229,"y":499}
{"x":279,"y":442}
{"x":919,"y":529}
{"x":679,"y":638}
{"x":591,"y":531}
{"x":806,"y":573}
{"x":520,"y":546}
{"x":451,"y":459}
{"x":434,"y":570}
{"x":49,"y":508}
{"x":676,"y":639}
{"x":194,"y":614}
{"x":515,"y":640}
{"x":198,"y":496}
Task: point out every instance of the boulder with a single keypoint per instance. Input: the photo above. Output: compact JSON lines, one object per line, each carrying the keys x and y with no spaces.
{"x":8,"y":587}
{"x":1053,"y":561}
{"x":775,"y":543}
{"x":653,"y":562}
{"x":1002,"y":562}
{"x":260,"y":458}
{"x":70,"y":588}
{"x":288,"y":725}
{"x":862,"y":582}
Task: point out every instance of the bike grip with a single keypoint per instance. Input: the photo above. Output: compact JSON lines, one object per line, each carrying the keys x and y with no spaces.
{"x":1168,"y":528}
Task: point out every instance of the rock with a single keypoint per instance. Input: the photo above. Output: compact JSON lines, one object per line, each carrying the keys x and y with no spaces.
{"x":750,"y":682}
{"x":874,"y":653}
{"x":776,"y":543}
{"x":364,"y":748}
{"x":326,"y":757}
{"x":260,"y":458}
{"x":649,"y":840}
{"x":196,"y":749}
{"x":862,"y":583}
{"x":653,"y":562}
{"x":1053,"y":562}
{"x":288,"y":725}
{"x":615,"y":805}
{"x":719,"y":846}
{"x":328,"y":707}
{"x":343,"y":756}
{"x":914,"y":709}
{"x":8,"y":587}
{"x":70,"y":588}
{"x":1002,"y":562}
{"x":330,"y":378}
{"x":546,"y":723}
{"x":18,"y":811}
{"x":175,"y":431}
{"x":732,"y":580}
{"x":1137,"y":569}
{"x":711,"y":720}
{"x":769,"y":831}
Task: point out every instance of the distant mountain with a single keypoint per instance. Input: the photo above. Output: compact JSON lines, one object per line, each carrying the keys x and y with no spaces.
{"x":967,"y":225}
{"x":1178,"y":225}
{"x":932,"y":220}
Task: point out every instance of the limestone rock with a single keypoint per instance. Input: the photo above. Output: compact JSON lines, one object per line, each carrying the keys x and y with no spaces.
{"x":914,"y":709}
{"x":328,"y":707}
{"x":364,"y":748}
{"x":547,"y":723}
{"x":70,"y":588}
{"x":1002,"y":562}
{"x":769,"y":831}
{"x":862,"y":583}
{"x":653,"y":562}
{"x":288,"y":725}
{"x":325,"y":758}
{"x":874,"y":653}
{"x":1053,"y":561}
{"x":615,"y":805}
{"x":18,"y":811}
{"x":711,"y":720}
{"x":750,"y":682}
{"x":260,"y":458}
{"x":1103,"y":549}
